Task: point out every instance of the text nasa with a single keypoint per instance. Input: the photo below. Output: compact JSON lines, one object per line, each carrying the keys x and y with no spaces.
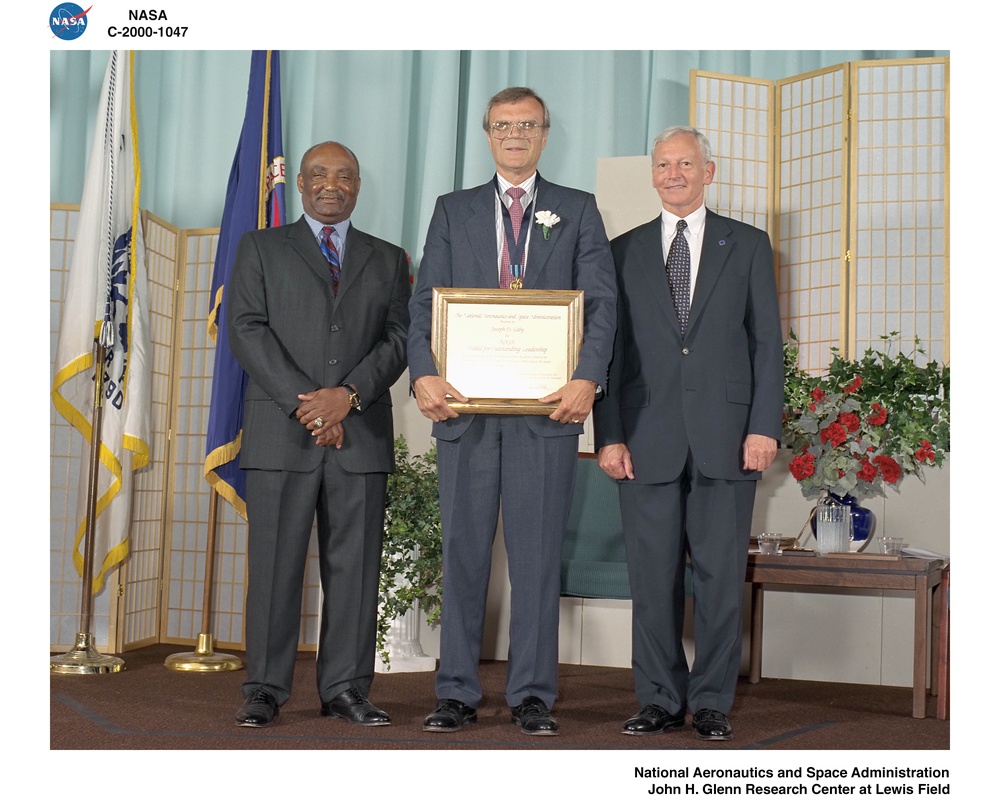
{"x":147,"y":31}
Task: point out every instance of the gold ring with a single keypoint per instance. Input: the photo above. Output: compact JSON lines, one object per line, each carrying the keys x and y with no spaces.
{"x":576,"y":421}
{"x":319,"y":422}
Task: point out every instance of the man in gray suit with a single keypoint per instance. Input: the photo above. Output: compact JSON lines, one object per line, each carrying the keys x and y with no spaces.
{"x":317,"y":319}
{"x":528,"y":461}
{"x":693,"y":414}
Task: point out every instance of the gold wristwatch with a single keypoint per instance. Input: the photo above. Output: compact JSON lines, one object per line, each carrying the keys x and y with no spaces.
{"x":353,"y":397}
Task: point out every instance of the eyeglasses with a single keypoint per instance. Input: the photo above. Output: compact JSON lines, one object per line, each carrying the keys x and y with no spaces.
{"x":527,"y":128}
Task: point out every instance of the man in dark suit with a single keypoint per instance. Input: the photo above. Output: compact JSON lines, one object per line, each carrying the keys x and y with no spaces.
{"x":528,"y":461}
{"x":693,"y":414}
{"x":317,"y":318}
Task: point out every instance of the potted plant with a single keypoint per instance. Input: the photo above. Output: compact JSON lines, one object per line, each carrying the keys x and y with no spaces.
{"x":411,"y":549}
{"x":865,"y":424}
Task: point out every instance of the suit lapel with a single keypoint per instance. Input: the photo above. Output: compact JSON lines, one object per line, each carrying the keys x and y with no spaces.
{"x":716,"y":245}
{"x":547,"y":198}
{"x":647,"y":247}
{"x":481,"y":229}
{"x":300,"y":237}
{"x":358,"y":250}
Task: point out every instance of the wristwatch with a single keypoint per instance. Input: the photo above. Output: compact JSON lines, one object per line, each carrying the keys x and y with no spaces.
{"x":353,"y":397}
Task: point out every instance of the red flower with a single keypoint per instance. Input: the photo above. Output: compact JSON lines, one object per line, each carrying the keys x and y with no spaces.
{"x":878,"y":415}
{"x":853,"y":387}
{"x":925,"y":452}
{"x":868,"y":471}
{"x":818,"y":394}
{"x":849,"y":421}
{"x":890,"y":470}
{"x":802,"y":466}
{"x":833,"y":434}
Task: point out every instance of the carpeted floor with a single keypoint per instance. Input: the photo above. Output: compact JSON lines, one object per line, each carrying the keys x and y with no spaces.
{"x":148,"y":707}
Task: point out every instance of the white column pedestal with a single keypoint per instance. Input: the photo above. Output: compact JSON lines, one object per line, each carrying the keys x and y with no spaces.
{"x":403,"y":644}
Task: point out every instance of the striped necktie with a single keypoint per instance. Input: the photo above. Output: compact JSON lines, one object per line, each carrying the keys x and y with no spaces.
{"x":330,"y":251}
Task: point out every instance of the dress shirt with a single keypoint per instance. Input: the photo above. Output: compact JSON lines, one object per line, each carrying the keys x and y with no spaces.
{"x":694,"y":233}
{"x":527,"y":198}
{"x":339,"y":234}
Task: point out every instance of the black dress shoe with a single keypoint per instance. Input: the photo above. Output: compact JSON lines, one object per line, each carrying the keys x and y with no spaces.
{"x":450,"y":715}
{"x":652,"y":719}
{"x":534,"y":718}
{"x":712,"y":725}
{"x":353,"y":706}
{"x":259,"y":710}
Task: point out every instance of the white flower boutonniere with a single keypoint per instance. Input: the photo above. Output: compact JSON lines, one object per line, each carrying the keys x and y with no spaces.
{"x":547,"y":220}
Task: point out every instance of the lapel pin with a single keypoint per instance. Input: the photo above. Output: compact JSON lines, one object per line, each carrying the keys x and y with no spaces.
{"x":722,"y":242}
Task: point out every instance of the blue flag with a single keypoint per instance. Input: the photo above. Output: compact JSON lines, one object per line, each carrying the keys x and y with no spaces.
{"x":255,"y":198}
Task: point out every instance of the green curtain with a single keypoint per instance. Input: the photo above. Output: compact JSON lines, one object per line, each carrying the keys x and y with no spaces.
{"x":412,"y":117}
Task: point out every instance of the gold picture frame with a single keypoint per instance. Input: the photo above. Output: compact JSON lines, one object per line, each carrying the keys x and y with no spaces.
{"x":505,"y":349}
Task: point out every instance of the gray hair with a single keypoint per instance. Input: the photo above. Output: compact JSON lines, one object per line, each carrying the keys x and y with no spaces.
{"x":677,"y":130}
{"x":515,"y":94}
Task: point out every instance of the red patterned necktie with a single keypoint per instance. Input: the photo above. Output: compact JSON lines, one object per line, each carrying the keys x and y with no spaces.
{"x":516,"y":216}
{"x":679,"y":274}
{"x":330,"y":251}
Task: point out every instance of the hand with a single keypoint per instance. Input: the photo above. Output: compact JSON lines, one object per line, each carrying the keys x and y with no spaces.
{"x":330,"y":435}
{"x":432,"y":394}
{"x":575,"y":400}
{"x":758,"y":451}
{"x":329,"y":405}
{"x":616,"y":461}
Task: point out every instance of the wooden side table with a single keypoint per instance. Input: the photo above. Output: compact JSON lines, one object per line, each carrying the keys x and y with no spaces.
{"x":942,"y":632}
{"x":855,"y":571}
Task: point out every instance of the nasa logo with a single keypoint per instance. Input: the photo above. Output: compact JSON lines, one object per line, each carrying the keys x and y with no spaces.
{"x":68,"y":21}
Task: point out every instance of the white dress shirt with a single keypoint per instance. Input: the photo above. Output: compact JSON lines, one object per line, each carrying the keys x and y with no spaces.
{"x":694,"y":233}
{"x":526,"y":198}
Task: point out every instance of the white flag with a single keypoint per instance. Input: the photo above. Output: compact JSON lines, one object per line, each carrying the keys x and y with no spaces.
{"x":106,"y":298}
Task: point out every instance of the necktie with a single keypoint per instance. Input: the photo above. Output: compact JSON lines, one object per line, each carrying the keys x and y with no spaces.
{"x":330,"y":251}
{"x":516,"y":216}
{"x":679,"y":274}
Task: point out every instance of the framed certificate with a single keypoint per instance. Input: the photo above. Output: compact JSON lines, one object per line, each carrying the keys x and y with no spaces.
{"x":505,"y":349}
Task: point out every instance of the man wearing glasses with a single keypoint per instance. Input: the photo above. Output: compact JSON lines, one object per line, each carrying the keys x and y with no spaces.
{"x":476,"y":239}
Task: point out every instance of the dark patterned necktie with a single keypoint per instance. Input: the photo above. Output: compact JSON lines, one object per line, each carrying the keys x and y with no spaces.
{"x":516,"y":216}
{"x":679,"y":274}
{"x":330,"y":251}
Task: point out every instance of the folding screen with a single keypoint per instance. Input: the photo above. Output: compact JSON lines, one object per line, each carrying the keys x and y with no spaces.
{"x":856,"y":196}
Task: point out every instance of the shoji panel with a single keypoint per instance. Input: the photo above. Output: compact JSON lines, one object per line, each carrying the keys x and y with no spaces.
{"x":899,"y":271}
{"x":188,"y":504}
{"x":67,"y":471}
{"x":187,"y":507}
{"x":735,"y":114}
{"x":812,"y":115}
{"x":141,"y":570}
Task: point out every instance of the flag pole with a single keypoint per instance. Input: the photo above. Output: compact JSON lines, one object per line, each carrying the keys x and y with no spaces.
{"x":83,"y":658}
{"x":204,"y":658}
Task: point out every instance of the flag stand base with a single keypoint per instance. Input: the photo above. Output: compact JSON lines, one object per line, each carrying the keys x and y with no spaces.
{"x":84,"y":659}
{"x":203,"y":659}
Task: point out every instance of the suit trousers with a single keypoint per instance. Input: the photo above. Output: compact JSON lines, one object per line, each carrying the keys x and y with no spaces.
{"x":500,"y":460}
{"x":349,"y":510}
{"x":708,"y":520}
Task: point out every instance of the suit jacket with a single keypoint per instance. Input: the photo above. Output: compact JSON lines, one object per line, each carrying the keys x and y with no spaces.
{"x":705,"y":390}
{"x":292,"y":336}
{"x":461,"y":252}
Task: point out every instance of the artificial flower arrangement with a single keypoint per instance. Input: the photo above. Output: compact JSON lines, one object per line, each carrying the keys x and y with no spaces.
{"x":865,"y":424}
